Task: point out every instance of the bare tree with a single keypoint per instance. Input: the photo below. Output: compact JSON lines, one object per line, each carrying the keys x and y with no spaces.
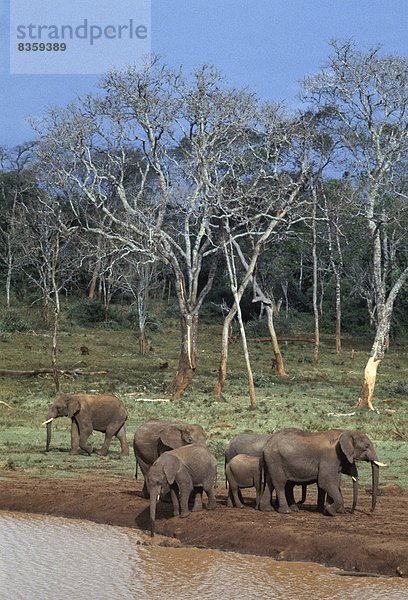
{"x":367,"y":96}
{"x":16,"y":182}
{"x":138,"y":278}
{"x":280,"y":166}
{"x":50,"y":260}
{"x":185,"y":134}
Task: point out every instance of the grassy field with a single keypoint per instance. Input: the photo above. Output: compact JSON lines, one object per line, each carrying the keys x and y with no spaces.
{"x":310,"y":397}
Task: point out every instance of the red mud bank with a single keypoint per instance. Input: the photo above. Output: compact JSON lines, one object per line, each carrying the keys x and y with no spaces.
{"x":364,"y":542}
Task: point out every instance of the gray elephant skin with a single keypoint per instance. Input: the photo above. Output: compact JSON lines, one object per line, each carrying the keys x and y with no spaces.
{"x":347,"y":468}
{"x":90,"y":412}
{"x":243,"y":471}
{"x":315,"y":457}
{"x":252,"y":444}
{"x":184,"y":469}
{"x":156,"y":436}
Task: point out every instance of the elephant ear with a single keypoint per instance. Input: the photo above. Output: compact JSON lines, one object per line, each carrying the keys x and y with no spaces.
{"x":171,"y":464}
{"x":170,"y":437}
{"x":186,"y":436}
{"x":346,"y":442}
{"x":73,"y":406}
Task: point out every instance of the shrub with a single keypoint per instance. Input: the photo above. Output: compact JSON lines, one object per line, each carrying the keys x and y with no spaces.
{"x":86,"y":312}
{"x":12,"y":322}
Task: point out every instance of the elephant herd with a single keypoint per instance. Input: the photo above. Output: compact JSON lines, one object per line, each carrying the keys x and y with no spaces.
{"x":175,"y":460}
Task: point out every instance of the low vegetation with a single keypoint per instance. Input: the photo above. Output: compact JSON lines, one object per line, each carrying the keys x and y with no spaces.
{"x":312,"y":397}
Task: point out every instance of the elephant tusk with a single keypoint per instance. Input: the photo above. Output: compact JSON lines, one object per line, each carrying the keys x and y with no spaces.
{"x":158,"y":497}
{"x":354,"y":478}
{"x":379,"y":464}
{"x":48,"y":421}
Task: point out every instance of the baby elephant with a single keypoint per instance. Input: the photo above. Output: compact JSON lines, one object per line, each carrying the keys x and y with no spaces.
{"x":243,"y":471}
{"x":184,"y":469}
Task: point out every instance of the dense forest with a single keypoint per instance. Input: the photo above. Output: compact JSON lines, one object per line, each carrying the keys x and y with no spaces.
{"x":166,"y":185}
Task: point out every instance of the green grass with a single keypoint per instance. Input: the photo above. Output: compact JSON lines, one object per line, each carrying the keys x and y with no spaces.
{"x":305,"y":398}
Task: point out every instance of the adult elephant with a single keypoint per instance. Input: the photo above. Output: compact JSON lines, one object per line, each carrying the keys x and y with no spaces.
{"x":252,"y":444}
{"x":185,"y":469}
{"x":155,"y":437}
{"x":308,"y":457}
{"x":90,"y":412}
{"x":347,"y":468}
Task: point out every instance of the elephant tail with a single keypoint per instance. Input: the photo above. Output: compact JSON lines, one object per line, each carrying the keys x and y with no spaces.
{"x":264,"y":469}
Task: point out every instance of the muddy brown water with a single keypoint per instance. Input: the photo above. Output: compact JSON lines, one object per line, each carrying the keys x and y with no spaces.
{"x":43,"y":557}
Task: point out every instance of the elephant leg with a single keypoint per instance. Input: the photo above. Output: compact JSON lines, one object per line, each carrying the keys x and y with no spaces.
{"x":109,"y":433}
{"x":103,"y":450}
{"x":212,"y":502}
{"x":144,"y":467}
{"x":74,"y":437}
{"x":184,"y":492}
{"x":198,"y":500}
{"x":175,"y":501}
{"x":84,"y":434}
{"x":230,"y":502}
{"x":290,"y":486}
{"x":121,"y":435}
{"x":304,"y":490}
{"x":321,"y":498}
{"x":234,"y":489}
{"x":332,"y":488}
{"x":258,"y":495}
{"x":266,"y":499}
{"x":283,"y":504}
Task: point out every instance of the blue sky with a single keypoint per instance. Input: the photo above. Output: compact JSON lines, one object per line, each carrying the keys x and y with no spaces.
{"x":266,"y":45}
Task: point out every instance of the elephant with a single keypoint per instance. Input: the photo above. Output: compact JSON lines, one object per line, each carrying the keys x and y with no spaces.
{"x":243,"y":471}
{"x":155,"y":437}
{"x":188,"y":468}
{"x":307,"y":457}
{"x":347,"y":468}
{"x":88,"y":412}
{"x":251,"y":444}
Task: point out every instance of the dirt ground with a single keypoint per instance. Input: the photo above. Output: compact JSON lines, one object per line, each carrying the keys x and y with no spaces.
{"x":363,"y":542}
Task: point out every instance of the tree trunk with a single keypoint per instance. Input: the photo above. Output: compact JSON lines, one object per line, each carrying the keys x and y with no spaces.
{"x":188,"y":356}
{"x":222,"y":370}
{"x":367,"y":391}
{"x":142,"y":342}
{"x":280,"y":367}
{"x":251,"y":387}
{"x":377,"y":354}
{"x":315,"y":307}
{"x":92,"y":294}
{"x":380,"y":345}
{"x":54,"y":351}
{"x":9,"y":274}
{"x":338,"y":314}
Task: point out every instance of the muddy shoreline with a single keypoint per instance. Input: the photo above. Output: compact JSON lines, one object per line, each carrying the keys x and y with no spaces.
{"x":364,"y":542}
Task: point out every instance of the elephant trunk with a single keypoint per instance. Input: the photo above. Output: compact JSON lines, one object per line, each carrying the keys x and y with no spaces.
{"x":355,"y":494}
{"x":48,"y":424}
{"x":154,"y":497}
{"x":375,"y":470}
